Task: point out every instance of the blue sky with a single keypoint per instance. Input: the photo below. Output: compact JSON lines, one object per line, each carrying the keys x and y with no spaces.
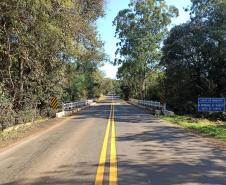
{"x":107,"y":30}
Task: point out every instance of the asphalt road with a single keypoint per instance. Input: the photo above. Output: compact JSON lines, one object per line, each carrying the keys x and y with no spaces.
{"x":145,"y":151}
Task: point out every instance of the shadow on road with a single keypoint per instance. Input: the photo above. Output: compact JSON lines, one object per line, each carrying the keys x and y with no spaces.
{"x":63,"y":175}
{"x":155,"y":154}
{"x":166,"y":154}
{"x":123,"y":113}
{"x":98,"y":111}
{"x":179,"y":160}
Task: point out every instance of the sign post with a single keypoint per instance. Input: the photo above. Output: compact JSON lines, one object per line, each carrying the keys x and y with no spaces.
{"x":211,"y":104}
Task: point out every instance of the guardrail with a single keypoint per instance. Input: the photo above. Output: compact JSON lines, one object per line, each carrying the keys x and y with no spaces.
{"x":150,"y":104}
{"x":77,"y":104}
{"x":72,"y":107}
{"x":155,"y":106}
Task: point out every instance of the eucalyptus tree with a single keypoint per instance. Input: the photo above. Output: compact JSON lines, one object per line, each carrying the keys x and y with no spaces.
{"x":140,"y":30}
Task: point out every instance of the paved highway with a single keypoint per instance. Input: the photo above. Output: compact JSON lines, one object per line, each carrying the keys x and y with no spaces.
{"x":114,"y":143}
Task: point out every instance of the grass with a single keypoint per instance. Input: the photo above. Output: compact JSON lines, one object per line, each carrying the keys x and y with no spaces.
{"x":215,"y":129}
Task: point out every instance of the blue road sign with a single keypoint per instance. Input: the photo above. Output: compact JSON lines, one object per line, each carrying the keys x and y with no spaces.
{"x":211,"y":104}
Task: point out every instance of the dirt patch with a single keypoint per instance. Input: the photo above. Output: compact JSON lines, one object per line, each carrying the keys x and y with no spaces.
{"x":17,"y":133}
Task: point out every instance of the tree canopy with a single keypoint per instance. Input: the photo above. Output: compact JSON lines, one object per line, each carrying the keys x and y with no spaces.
{"x":140,"y":30}
{"x":191,"y":59}
{"x":48,"y":48}
{"x":194,"y":56}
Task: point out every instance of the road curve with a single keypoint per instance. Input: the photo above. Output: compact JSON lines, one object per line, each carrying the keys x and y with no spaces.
{"x":148,"y":152}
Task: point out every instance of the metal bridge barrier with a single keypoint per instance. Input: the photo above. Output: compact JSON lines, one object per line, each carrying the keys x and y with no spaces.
{"x":155,"y":107}
{"x":76,"y":104}
{"x":149,"y":104}
{"x":72,"y":107}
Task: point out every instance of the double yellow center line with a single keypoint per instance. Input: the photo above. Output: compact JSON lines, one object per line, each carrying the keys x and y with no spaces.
{"x":113,"y":180}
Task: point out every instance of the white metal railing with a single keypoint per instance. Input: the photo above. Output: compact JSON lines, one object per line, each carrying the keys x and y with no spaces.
{"x":151,"y":104}
{"x":77,"y":104}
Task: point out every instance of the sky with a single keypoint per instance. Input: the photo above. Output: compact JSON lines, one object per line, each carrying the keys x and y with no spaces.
{"x":107,"y":30}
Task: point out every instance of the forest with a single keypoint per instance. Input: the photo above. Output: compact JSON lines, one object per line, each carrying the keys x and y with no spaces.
{"x":180,"y":64}
{"x":48,"y":49}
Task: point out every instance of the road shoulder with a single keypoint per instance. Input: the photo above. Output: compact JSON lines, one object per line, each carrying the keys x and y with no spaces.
{"x":17,"y":134}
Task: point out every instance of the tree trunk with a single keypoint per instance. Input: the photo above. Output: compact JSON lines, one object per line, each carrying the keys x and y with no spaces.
{"x":21,"y":83}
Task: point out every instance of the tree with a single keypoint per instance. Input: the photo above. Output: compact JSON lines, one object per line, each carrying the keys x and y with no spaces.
{"x":140,"y":29}
{"x":107,"y":85}
{"x":42,"y":43}
{"x":194,"y":57}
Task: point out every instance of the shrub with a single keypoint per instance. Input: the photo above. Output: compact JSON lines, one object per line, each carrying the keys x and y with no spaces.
{"x":6,"y":111}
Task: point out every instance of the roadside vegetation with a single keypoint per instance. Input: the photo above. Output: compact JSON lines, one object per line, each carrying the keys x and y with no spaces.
{"x":48,"y":48}
{"x":209,"y":128}
{"x":181,"y":64}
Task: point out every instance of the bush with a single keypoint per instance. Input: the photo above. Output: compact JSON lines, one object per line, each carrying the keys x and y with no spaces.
{"x":6,"y":111}
{"x":26,"y":115}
